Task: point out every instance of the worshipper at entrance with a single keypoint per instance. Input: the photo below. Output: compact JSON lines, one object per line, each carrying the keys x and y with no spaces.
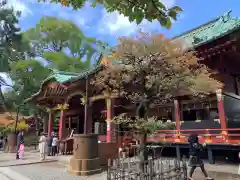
{"x":194,"y":160}
{"x":42,"y":146}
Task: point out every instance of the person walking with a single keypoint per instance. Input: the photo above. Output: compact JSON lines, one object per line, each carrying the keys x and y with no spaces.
{"x":42,"y":146}
{"x":20,"y":140}
{"x":54,"y":144}
{"x":195,"y":160}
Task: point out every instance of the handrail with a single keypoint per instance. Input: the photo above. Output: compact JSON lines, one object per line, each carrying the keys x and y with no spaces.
{"x":189,"y":130}
{"x":205,"y":135}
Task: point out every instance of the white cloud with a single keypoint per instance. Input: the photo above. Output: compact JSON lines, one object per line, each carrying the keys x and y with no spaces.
{"x":169,"y":3}
{"x":7,"y":79}
{"x":116,"y":24}
{"x":20,"y":5}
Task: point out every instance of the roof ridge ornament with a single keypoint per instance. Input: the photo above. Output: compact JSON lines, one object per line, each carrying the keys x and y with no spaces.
{"x":227,"y":16}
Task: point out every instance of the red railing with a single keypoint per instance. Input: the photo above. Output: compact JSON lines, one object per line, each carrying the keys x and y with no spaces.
{"x":209,"y":136}
{"x":214,"y":136}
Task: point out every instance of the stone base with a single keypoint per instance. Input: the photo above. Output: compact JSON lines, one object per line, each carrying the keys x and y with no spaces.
{"x":84,"y":167}
{"x":85,"y":160}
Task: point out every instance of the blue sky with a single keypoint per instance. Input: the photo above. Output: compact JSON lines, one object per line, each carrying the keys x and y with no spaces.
{"x":96,"y":22}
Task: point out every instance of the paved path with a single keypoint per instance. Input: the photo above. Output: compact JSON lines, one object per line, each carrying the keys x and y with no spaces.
{"x":57,"y":171}
{"x":8,"y":159}
{"x":7,"y":173}
{"x":3,"y":177}
{"x":52,"y":171}
{"x":11,"y":169}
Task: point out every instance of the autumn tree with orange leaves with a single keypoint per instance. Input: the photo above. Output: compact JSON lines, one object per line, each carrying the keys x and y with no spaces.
{"x":150,"y":69}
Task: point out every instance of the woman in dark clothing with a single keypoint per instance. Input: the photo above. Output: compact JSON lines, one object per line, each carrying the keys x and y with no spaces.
{"x":194,"y":160}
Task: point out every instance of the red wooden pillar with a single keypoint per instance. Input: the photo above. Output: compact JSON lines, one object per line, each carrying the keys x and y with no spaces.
{"x":177,"y":118}
{"x":61,"y":124}
{"x":50,"y":117}
{"x":221,"y":113}
{"x":89,"y":127}
{"x":111,"y":128}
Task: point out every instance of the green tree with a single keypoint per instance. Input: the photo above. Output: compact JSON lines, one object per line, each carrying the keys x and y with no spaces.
{"x":152,"y":69}
{"x":27,"y":76}
{"x":56,"y":35}
{"x":11,"y":44}
{"x":134,"y":10}
{"x":63,"y":62}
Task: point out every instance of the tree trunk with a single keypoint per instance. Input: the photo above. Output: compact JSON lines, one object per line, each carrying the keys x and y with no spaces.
{"x":2,"y":100}
{"x":143,"y":154}
{"x":12,"y":142}
{"x":36,"y":123}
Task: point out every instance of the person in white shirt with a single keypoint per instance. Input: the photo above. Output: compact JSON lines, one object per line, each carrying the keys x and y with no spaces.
{"x":42,"y":146}
{"x":54,"y":145}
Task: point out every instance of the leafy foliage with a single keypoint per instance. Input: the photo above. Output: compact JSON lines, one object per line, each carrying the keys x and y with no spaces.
{"x":153,"y":69}
{"x":10,"y":38}
{"x":50,"y":39}
{"x":56,"y":35}
{"x":142,"y":125}
{"x":11,"y":44}
{"x":27,"y":76}
{"x":63,"y":62}
{"x":137,"y":10}
{"x":159,"y":69}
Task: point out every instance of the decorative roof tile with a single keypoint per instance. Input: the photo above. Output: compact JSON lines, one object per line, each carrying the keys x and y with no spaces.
{"x":210,"y":31}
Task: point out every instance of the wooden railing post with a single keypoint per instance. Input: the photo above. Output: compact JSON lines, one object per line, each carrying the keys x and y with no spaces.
{"x":208,"y":138}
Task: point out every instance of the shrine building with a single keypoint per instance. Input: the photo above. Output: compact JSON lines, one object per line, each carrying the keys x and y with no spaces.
{"x":216,"y":118}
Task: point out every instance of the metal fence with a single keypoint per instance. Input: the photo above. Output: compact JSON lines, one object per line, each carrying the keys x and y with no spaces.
{"x":154,"y":169}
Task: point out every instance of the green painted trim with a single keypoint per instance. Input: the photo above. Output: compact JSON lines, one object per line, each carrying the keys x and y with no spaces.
{"x":210,"y":31}
{"x":58,"y":76}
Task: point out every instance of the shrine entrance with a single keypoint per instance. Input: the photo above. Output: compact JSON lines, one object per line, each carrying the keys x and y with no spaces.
{"x":75,"y":114}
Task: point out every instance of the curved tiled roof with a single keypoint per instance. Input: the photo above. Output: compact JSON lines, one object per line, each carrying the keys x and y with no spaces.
{"x":67,"y":77}
{"x":210,"y":31}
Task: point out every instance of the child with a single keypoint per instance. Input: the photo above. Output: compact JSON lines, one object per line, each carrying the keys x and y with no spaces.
{"x":21,"y":151}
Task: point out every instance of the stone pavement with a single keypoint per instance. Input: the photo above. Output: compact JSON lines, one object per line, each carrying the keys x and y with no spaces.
{"x":57,"y":171}
{"x":8,"y":159}
{"x":52,"y":171}
{"x":7,"y":173}
{"x":55,"y":168}
{"x":4,"y":177}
